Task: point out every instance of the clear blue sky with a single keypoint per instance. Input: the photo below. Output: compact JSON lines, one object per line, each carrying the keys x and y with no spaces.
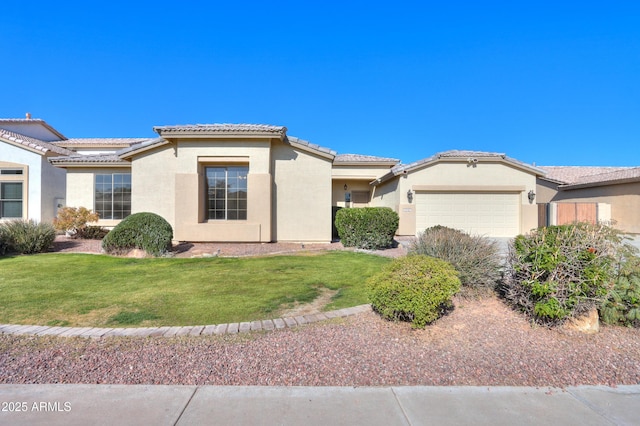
{"x":550,"y":82}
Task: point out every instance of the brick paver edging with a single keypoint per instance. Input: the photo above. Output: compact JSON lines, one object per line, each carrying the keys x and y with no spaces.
{"x":197,"y":330}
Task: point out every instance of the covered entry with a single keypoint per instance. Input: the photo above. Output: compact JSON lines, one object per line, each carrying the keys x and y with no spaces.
{"x":494,"y":214}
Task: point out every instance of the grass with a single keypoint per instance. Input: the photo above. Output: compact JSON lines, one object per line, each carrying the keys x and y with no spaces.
{"x":103,"y":291}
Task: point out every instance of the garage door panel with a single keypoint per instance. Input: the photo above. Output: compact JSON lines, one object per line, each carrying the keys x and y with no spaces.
{"x":491,"y":214}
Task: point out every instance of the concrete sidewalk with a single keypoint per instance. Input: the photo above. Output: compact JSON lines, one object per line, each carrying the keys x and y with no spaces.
{"x":249,"y":405}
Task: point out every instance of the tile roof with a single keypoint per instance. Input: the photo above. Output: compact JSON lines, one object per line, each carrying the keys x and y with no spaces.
{"x":89,"y":159}
{"x":575,"y":174}
{"x":456,"y":154}
{"x":465,"y":154}
{"x":312,"y":146}
{"x":99,"y":141}
{"x":358,"y":158}
{"x":33,"y":143}
{"x":222,"y":128}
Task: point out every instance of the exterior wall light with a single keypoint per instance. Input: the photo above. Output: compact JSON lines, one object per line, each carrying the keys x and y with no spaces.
{"x":532,"y":196}
{"x":345,"y":187}
{"x":409,"y":196}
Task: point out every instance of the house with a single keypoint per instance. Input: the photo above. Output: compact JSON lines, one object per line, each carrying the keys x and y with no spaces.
{"x":256,"y":183}
{"x":603,"y":194}
{"x":30,"y":187}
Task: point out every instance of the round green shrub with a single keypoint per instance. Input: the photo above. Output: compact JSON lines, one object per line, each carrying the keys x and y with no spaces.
{"x":370,"y":228}
{"x":414,"y":288}
{"x":476,"y":258}
{"x":146,"y":231}
{"x":559,"y":272}
{"x":27,"y":236}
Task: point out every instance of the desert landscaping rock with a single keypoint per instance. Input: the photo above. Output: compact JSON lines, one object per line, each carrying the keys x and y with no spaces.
{"x":480,"y":343}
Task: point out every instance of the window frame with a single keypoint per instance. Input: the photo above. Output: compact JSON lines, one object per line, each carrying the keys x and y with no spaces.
{"x":221,"y":207}
{"x":4,"y":200}
{"x":124,"y":211}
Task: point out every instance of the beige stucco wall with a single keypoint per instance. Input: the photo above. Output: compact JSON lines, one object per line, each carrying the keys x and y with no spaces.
{"x":338,"y":191}
{"x":153,"y":183}
{"x":170,"y":181}
{"x":545,"y":191}
{"x":624,"y":200}
{"x":81,"y":188}
{"x":462,"y":177}
{"x":301,"y":195}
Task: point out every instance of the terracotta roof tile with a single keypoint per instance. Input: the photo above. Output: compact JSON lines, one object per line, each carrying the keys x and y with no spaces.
{"x":310,"y":145}
{"x":575,"y":174}
{"x":221,"y":128}
{"x":100,"y":141}
{"x":358,"y":158}
{"x":89,"y":159}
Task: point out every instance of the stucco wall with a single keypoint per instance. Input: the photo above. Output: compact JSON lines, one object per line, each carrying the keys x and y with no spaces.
{"x":32,"y":207}
{"x":81,"y":188}
{"x":153,"y":183}
{"x":53,"y":187}
{"x":170,"y":181}
{"x":301,"y":195}
{"x":338,"y":191}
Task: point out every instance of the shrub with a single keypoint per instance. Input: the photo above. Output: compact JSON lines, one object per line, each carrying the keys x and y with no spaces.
{"x":560,"y":272}
{"x":4,"y":241}
{"x":92,"y":233}
{"x":476,"y":258}
{"x":146,"y":231}
{"x":74,"y":220}
{"x":367,"y":228}
{"x":28,"y":236}
{"x":414,"y":288}
{"x":623,"y":305}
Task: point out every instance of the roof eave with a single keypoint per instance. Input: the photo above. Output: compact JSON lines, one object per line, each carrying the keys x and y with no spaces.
{"x":137,"y":151}
{"x":568,"y":187}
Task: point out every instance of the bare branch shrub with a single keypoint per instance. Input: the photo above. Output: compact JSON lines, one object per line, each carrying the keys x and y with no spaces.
{"x":476,"y":258}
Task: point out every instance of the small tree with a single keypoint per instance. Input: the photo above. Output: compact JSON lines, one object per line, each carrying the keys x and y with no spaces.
{"x":74,"y":220}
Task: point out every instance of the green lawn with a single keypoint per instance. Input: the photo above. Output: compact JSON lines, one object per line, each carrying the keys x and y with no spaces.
{"x":103,"y":291}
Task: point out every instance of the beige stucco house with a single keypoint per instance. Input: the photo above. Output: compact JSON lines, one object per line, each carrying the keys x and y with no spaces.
{"x":280,"y":188}
{"x":256,"y":183}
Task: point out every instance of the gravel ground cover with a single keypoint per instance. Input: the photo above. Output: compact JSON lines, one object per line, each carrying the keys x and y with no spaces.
{"x":480,"y":343}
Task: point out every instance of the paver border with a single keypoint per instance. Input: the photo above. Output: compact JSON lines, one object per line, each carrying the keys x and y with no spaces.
{"x":190,"y":330}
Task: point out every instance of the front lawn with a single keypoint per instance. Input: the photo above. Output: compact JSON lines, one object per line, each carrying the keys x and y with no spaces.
{"x":103,"y":291}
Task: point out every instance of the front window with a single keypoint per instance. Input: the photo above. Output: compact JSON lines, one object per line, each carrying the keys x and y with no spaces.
{"x":113,"y":195}
{"x":10,"y":200}
{"x":227,"y":192}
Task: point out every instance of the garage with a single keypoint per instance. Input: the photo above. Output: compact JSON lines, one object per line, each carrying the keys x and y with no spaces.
{"x":494,"y":214}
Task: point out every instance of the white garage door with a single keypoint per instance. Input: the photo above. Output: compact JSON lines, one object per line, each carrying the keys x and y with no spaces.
{"x":478,"y":213}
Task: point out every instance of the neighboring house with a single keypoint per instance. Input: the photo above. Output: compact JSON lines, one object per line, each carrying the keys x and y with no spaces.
{"x":30,"y":187}
{"x":604,"y":194}
{"x":255,"y":183}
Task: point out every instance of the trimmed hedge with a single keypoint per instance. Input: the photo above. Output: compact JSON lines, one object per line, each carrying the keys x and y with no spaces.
{"x":146,"y":231}
{"x":368,"y":228}
{"x":26,"y":236}
{"x":476,"y":258}
{"x":414,"y":288}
